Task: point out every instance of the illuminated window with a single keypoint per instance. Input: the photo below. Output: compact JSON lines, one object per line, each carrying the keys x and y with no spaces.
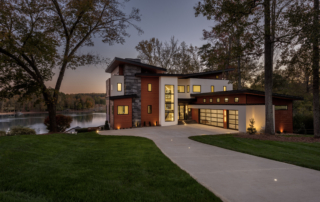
{"x":281,"y":107}
{"x":181,"y":89}
{"x":196,"y":89}
{"x":210,"y":100}
{"x":218,"y":99}
{"x":226,"y":99}
{"x":123,"y":110}
{"x":236,"y":99}
{"x":204,"y":100}
{"x":217,"y":77}
{"x":212,"y":88}
{"x":149,"y":109}
{"x":224,"y":88}
{"x":169,"y":103}
{"x":119,"y":86}
{"x":149,"y":87}
{"x":188,"y":89}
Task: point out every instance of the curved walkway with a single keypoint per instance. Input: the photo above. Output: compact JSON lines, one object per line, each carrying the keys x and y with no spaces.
{"x":231,"y":175}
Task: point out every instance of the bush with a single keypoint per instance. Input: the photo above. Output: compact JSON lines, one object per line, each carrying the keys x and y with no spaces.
{"x":20,"y":130}
{"x":82,"y":130}
{"x":63,"y":122}
{"x":303,"y":124}
{"x":106,"y":126}
{"x":3,"y":133}
{"x":251,"y":130}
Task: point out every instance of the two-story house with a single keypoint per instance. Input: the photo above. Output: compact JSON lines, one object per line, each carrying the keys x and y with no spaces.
{"x":139,"y":94}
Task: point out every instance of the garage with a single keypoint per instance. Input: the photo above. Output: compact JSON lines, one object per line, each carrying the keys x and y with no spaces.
{"x":233,"y":122}
{"x":212,"y":117}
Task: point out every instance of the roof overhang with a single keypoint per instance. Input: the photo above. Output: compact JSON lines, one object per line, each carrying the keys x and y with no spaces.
{"x":248,"y":92}
{"x":120,"y":61}
{"x":123,"y":96}
{"x":184,"y":76}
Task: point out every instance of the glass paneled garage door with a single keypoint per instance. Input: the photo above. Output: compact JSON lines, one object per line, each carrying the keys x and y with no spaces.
{"x":212,"y":117}
{"x":233,"y":121}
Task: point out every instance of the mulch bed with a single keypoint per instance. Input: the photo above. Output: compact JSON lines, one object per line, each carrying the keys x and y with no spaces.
{"x":281,"y":138}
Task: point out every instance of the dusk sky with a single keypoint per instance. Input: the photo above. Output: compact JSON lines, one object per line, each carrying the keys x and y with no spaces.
{"x":160,"y":19}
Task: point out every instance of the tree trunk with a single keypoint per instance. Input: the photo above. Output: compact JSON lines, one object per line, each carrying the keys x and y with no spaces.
{"x":52,"y":117}
{"x":239,"y":73}
{"x":269,"y":128}
{"x":315,"y":71}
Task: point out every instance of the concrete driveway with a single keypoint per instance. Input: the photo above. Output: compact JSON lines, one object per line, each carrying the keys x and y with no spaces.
{"x":232,"y":176}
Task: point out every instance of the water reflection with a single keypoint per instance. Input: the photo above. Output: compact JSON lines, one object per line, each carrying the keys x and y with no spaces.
{"x":35,"y":121}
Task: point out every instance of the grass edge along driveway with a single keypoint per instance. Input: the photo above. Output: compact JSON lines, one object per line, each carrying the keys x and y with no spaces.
{"x":297,"y":153}
{"x":91,"y":167}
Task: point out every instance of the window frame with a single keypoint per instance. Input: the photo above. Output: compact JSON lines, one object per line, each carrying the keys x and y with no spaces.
{"x":149,"y":112}
{"x":188,"y":88}
{"x":150,"y":87}
{"x":118,"y":87}
{"x":171,"y":103}
{"x":184,"y":89}
{"x":122,"y":106}
{"x":280,"y":106}
{"x":196,"y":91}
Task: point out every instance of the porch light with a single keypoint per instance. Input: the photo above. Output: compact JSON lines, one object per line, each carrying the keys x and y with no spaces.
{"x":275,"y":180}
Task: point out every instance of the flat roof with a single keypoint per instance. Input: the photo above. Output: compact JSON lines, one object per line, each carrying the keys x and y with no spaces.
{"x":247,"y":91}
{"x":118,"y":61}
{"x":185,"y":76}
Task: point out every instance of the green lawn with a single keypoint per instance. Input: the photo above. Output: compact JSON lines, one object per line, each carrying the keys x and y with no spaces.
{"x":301,"y":154}
{"x":89,"y":167}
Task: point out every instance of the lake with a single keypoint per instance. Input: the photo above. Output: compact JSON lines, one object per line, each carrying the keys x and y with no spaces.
{"x":35,"y":121}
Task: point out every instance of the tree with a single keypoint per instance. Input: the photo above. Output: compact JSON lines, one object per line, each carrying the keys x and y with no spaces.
{"x":39,"y":35}
{"x":254,"y":13}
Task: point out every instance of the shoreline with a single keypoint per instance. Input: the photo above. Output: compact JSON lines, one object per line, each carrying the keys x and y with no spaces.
{"x":71,"y":111}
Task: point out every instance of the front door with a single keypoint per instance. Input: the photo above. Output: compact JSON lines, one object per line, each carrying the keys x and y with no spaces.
{"x":181,"y":112}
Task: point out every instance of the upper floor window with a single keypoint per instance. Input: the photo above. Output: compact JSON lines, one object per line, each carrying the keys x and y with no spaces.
{"x":211,"y":100}
{"x":212,"y":88}
{"x":224,"y":88}
{"x":149,"y":109}
{"x":188,"y":89}
{"x":119,"y":87}
{"x":217,"y":77}
{"x":236,"y":99}
{"x":218,"y":99}
{"x":204,"y":100}
{"x":181,"y":89}
{"x":226,"y":99}
{"x":281,"y":107}
{"x":196,"y":88}
{"x":149,"y":87}
{"x":123,"y":110}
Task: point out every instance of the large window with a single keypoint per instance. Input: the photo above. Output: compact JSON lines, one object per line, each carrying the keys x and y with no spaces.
{"x":196,"y":88}
{"x":119,"y":87}
{"x":149,"y":87}
{"x":122,"y":110}
{"x":188,"y":89}
{"x":149,"y":109}
{"x":212,"y":88}
{"x":224,"y":88}
{"x":169,"y":103}
{"x":281,"y":107}
{"x":181,"y":89}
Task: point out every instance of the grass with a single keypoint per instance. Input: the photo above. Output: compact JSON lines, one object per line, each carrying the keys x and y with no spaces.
{"x":301,"y":154}
{"x":89,"y":167}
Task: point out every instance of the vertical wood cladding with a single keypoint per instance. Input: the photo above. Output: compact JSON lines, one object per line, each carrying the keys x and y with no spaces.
{"x":149,"y":98}
{"x":125,"y":120}
{"x":283,"y":118}
{"x":195,"y":115}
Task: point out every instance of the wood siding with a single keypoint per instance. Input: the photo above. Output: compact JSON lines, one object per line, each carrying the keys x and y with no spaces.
{"x":122,"y":121}
{"x":195,"y":115}
{"x":149,"y":98}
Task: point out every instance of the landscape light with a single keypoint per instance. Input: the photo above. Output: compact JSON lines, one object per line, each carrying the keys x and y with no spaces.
{"x":275,"y":180}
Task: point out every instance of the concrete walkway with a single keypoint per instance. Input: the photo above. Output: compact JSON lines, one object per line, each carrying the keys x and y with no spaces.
{"x":232,"y":176}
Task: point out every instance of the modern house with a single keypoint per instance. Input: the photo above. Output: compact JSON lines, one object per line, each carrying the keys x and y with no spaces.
{"x":139,"y":94}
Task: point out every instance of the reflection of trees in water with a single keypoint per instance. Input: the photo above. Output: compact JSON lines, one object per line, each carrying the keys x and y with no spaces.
{"x":85,"y":118}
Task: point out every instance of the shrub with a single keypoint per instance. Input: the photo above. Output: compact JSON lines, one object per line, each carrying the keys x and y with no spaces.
{"x":2,"y":133}
{"x":63,"y":122}
{"x":20,"y":130}
{"x":106,"y":126}
{"x":82,"y":130}
{"x":251,"y":130}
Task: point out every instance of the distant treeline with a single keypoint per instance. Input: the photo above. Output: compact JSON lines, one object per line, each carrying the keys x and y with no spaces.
{"x":81,"y":101}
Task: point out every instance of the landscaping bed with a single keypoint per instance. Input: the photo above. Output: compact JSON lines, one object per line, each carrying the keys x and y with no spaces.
{"x":91,"y":167}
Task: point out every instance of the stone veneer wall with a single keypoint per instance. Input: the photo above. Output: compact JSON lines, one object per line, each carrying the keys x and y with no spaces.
{"x":133,"y":86}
